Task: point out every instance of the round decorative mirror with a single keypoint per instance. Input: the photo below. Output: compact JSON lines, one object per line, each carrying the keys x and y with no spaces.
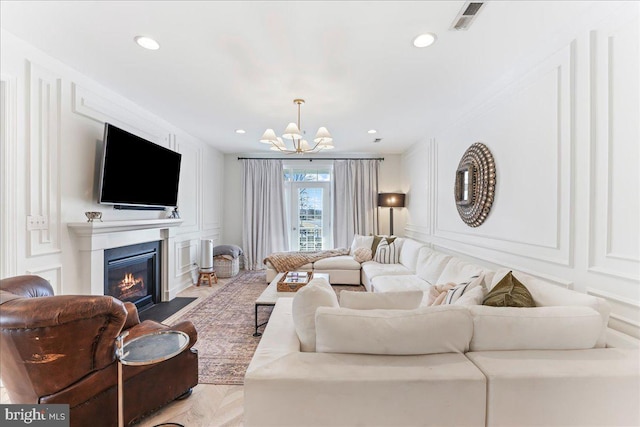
{"x":475,"y":184}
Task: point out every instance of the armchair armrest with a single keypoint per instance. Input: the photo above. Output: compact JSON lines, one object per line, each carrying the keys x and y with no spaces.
{"x":50,"y":342}
{"x":132,"y":315}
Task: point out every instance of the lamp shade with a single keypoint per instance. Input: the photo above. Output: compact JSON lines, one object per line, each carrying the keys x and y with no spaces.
{"x":391,"y":200}
{"x":269,"y":136}
{"x":291,"y":132}
{"x":323,"y":136}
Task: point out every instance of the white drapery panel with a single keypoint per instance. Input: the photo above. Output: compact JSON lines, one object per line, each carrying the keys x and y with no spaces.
{"x":355,"y":189}
{"x":264,"y":224}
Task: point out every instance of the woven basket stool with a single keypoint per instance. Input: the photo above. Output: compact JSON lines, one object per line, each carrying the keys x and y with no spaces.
{"x":225,"y":267}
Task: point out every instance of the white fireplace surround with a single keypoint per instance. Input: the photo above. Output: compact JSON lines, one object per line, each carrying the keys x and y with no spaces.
{"x":92,"y":238}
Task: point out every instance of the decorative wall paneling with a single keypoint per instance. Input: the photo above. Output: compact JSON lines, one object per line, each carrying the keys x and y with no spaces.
{"x":614,"y":245}
{"x":190,"y":189}
{"x":8,"y":174}
{"x":624,"y":311}
{"x":44,"y":198}
{"x":212,"y":190}
{"x":538,"y":196}
{"x":186,"y":253}
{"x":101,"y":109}
{"x":52,"y":273}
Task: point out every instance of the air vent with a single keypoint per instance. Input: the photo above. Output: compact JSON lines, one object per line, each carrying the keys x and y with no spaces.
{"x":375,"y":141}
{"x":466,"y":16}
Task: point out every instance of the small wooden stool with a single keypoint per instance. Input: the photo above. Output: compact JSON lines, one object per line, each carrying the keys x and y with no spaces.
{"x":207,"y":276}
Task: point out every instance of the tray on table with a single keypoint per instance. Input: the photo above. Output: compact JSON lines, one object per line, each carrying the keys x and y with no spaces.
{"x":291,"y":281}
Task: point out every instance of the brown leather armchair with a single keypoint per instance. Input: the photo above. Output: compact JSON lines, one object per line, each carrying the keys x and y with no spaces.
{"x":61,"y":349}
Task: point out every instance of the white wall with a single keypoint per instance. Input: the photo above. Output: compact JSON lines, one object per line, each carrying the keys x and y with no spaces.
{"x":565,"y":137}
{"x":52,"y":124}
{"x":390,"y":180}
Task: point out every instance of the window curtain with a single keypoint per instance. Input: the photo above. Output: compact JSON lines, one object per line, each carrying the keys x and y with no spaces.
{"x":355,"y":189}
{"x":264,"y":224}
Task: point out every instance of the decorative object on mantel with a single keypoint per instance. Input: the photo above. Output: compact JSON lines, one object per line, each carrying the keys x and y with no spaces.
{"x":391,"y":200}
{"x":323,"y":139}
{"x":174,"y":213}
{"x":475,"y":184}
{"x":93,"y":215}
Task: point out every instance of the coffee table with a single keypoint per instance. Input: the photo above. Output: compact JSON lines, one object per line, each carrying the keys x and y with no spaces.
{"x":270,"y":295}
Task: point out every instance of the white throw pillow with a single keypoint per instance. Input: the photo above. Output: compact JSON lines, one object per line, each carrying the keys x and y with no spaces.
{"x":474,"y":296}
{"x":362,"y":255}
{"x":454,"y":294}
{"x":318,"y":293}
{"x":425,"y":330}
{"x":387,"y":253}
{"x":534,"y":328}
{"x":360,"y":241}
{"x":405,"y":300}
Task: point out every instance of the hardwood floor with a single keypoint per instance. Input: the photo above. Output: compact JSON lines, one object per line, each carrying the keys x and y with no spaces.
{"x":209,"y":405}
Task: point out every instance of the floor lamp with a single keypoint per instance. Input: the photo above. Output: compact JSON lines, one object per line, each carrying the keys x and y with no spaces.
{"x":391,"y":200}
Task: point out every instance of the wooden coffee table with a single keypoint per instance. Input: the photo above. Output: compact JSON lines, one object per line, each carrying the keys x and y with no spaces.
{"x":270,"y":295}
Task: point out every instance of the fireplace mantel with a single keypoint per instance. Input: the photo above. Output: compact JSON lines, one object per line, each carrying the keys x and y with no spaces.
{"x":92,"y":238}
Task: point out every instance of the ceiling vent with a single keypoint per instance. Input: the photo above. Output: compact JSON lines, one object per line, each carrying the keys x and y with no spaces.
{"x":377,"y":140}
{"x":466,"y":16}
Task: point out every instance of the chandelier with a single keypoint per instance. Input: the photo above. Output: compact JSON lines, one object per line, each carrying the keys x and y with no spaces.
{"x":322,"y":141}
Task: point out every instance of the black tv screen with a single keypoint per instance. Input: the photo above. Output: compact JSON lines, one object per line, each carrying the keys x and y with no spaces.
{"x":136,"y":172}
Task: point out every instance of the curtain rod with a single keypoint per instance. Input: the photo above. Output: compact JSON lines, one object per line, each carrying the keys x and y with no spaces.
{"x":311,"y":160}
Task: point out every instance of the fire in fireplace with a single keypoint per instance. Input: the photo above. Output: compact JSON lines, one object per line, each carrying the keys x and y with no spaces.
{"x":132,"y":273}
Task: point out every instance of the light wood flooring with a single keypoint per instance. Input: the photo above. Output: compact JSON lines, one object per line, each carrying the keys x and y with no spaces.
{"x":209,"y":405}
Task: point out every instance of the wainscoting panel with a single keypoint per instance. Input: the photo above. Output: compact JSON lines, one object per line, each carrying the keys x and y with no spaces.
{"x":531,"y":212}
{"x":615,"y":151}
{"x":89,"y":104}
{"x":44,"y":104}
{"x":8,"y":184}
{"x":187,"y":255}
{"x":212,"y":191}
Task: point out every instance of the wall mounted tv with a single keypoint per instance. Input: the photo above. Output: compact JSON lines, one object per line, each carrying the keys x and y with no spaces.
{"x":136,"y":173}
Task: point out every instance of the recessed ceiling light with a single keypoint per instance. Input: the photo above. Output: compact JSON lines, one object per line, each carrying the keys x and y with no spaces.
{"x":424,"y":40}
{"x":147,"y":42}
{"x":240,"y":131}
{"x":372,"y":131}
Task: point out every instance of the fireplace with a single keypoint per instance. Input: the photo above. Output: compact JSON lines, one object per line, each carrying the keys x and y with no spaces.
{"x":132,"y":273}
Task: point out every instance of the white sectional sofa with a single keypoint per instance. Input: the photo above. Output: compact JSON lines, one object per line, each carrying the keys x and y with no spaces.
{"x":447,"y":365}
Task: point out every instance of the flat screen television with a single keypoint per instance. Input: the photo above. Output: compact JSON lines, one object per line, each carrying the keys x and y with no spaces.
{"x":137,"y":173}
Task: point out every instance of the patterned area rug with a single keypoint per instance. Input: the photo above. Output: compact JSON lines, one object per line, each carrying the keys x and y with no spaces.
{"x":225,"y":325}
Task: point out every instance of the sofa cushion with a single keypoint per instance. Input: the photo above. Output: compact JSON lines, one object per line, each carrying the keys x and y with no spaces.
{"x":373,"y":269}
{"x":509,"y":292}
{"x":360,"y":241}
{"x":397,"y":283}
{"x":409,"y":253}
{"x":407,"y":300}
{"x":388,"y":252}
{"x":318,"y":293}
{"x":342,"y":262}
{"x":546,"y":294}
{"x":458,"y":271}
{"x":534,"y":328}
{"x":425,"y":330}
{"x":430,"y":268}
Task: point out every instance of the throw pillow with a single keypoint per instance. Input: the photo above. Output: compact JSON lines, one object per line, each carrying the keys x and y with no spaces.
{"x":472,"y":297}
{"x":360,"y":241}
{"x":509,"y":292}
{"x":362,"y":255}
{"x":318,"y":293}
{"x":387,"y":252}
{"x":377,"y":239}
{"x":403,"y":300}
{"x":454,"y":294}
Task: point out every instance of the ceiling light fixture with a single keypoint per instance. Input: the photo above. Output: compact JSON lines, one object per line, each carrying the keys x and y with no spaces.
{"x":323,"y":139}
{"x":147,"y":42}
{"x":424,"y":40}
{"x":240,"y":131}
{"x":372,"y":131}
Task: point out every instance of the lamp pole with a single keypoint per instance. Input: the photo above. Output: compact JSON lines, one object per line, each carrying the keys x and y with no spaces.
{"x":391,"y":222}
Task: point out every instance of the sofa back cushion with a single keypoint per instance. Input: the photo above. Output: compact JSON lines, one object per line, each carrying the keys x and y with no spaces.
{"x":458,"y":271}
{"x":535,"y":328}
{"x":405,"y":300}
{"x":430,"y":267}
{"x":318,"y":293}
{"x":425,"y":330}
{"x":360,"y":241}
{"x":409,"y":253}
{"x":546,"y":294}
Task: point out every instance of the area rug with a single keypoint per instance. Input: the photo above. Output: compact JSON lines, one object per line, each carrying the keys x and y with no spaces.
{"x":225,"y":324}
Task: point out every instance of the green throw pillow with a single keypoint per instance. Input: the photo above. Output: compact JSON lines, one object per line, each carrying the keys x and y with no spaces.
{"x":377,"y":240}
{"x":509,"y":292}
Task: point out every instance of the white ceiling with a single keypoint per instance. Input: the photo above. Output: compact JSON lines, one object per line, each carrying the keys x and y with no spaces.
{"x":229,"y":65}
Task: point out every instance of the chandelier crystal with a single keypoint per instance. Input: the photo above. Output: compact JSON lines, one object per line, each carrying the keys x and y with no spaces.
{"x":322,"y":141}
